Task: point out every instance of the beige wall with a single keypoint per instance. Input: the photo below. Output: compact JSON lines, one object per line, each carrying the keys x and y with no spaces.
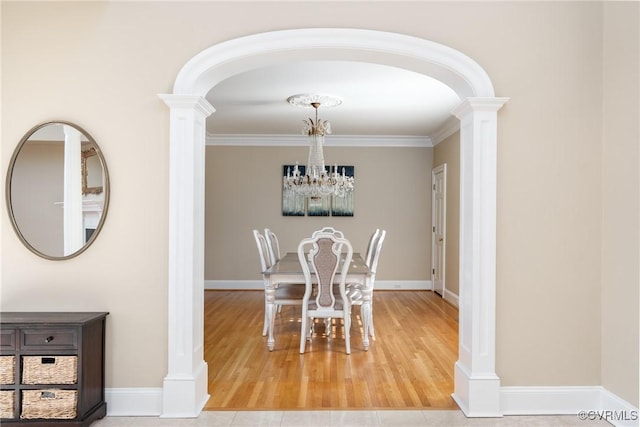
{"x":448,"y":151}
{"x":549,"y":205}
{"x":37,"y":192}
{"x":244,"y":192}
{"x":101,"y":65}
{"x":620,"y":200}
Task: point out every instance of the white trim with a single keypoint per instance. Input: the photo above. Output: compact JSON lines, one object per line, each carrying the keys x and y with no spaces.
{"x":387,"y":285}
{"x":451,"y":297}
{"x":451,"y":126}
{"x":251,"y":140}
{"x":476,"y":384}
{"x":558,"y":400}
{"x":133,"y":402}
{"x":477,"y":393}
{"x":440,"y":169}
{"x":185,"y":385}
{"x":549,"y":400}
{"x":404,"y":285}
{"x":213,"y":65}
{"x":598,"y":402}
{"x":611,"y":402}
{"x":234,"y":285}
{"x":185,"y":396}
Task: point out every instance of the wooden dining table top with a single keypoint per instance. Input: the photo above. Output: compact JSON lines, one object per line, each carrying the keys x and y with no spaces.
{"x":289,"y":264}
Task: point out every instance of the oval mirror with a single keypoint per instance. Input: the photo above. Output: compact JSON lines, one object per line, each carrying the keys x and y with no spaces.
{"x":57,"y":190}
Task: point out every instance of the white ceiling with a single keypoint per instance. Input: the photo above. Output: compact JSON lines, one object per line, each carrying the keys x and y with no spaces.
{"x":376,"y":100}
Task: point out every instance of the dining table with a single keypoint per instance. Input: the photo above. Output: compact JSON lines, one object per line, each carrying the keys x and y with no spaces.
{"x":289,"y":270}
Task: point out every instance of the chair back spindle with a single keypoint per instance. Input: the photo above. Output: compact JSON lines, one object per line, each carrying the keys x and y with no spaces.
{"x":376,"y":254}
{"x":273,"y":245}
{"x":371,"y":247}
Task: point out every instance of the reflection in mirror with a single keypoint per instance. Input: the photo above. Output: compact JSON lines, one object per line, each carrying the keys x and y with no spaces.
{"x":91,"y":172}
{"x":57,"y":190}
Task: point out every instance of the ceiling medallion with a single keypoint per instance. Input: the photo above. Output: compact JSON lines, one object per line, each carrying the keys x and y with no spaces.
{"x":306,"y":100}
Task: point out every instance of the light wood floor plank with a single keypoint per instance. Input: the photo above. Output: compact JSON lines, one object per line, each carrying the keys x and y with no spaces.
{"x":409,"y":364}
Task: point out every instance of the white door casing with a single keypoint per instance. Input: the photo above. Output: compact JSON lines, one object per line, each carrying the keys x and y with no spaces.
{"x":477,"y":387}
{"x":438,"y":228}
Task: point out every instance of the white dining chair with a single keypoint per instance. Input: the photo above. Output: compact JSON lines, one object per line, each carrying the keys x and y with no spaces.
{"x":273,"y":245}
{"x":371,"y":246}
{"x":332,"y":230}
{"x":328,"y":301}
{"x":285,"y":294}
{"x":355,"y":291}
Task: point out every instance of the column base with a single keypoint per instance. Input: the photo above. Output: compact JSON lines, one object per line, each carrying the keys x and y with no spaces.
{"x":185,"y":396}
{"x":476,"y":395}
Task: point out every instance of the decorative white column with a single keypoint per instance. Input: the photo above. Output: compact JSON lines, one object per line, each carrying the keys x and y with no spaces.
{"x":477,"y":387}
{"x":72,"y":216}
{"x":185,"y":386}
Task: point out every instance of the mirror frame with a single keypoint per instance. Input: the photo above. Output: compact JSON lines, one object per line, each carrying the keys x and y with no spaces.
{"x":105,"y":189}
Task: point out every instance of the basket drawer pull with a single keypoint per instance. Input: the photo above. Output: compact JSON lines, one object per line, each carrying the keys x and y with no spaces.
{"x":48,"y":339}
{"x":48,"y":395}
{"x":48,"y":360}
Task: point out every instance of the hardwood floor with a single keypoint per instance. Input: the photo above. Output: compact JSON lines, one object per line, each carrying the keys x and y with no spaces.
{"x":409,"y":365}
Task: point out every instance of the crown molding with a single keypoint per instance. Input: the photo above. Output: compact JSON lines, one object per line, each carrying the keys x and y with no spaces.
{"x":451,"y":126}
{"x":249,"y":140}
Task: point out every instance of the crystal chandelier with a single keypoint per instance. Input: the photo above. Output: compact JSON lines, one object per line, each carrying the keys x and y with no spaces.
{"x":317,"y":181}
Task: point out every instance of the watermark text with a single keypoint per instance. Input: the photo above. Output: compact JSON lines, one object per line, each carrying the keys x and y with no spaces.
{"x":608,"y":415}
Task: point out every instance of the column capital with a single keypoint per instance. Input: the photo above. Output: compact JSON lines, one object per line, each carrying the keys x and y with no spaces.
{"x":469,"y":105}
{"x":188,"y":101}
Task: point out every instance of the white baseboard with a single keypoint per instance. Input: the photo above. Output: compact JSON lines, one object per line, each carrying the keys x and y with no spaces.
{"x":233,"y":285}
{"x":548,"y":400}
{"x":399,"y":285}
{"x":133,"y":402}
{"x":404,"y":285}
{"x":598,"y":403}
{"x":451,"y":297}
{"x":586,"y":402}
{"x":617,"y":411}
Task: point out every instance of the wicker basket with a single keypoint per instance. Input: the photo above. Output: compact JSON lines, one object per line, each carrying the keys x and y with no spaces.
{"x":51,"y":403}
{"x":7,"y":398}
{"x":49,"y":369}
{"x":7,"y":369}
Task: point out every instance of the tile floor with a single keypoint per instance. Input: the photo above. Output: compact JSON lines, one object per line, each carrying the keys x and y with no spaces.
{"x":390,"y":418}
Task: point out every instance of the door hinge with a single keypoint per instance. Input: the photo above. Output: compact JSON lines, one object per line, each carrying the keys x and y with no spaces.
{"x":434,"y":229}
{"x":433,"y":271}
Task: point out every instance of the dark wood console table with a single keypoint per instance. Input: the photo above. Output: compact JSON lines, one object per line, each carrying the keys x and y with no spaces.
{"x":52,"y":368}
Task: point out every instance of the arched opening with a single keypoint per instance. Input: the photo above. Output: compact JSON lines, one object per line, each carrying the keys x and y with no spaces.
{"x":477,"y":387}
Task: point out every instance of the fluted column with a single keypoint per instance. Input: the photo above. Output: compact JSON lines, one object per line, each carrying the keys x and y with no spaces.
{"x":185,"y":385}
{"x":477,"y":387}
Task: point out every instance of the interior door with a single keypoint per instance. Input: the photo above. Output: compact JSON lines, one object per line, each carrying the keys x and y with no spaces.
{"x":438,"y":227}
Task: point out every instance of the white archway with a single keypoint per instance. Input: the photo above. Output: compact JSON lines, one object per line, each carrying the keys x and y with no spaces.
{"x":477,"y":387}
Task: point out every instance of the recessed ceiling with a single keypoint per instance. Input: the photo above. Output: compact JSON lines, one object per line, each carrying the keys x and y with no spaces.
{"x":376,"y":100}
